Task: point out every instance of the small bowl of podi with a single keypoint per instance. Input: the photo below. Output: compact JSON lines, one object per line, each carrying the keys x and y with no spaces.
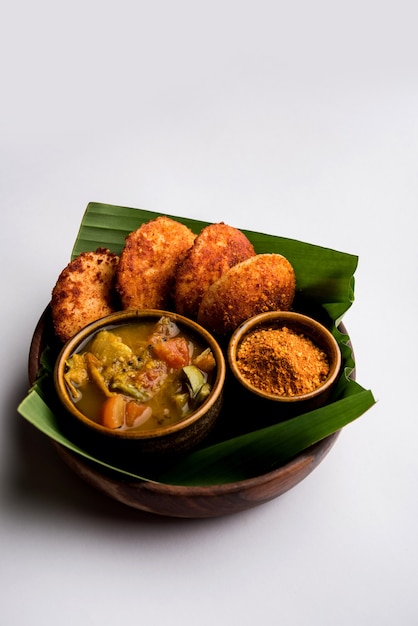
{"x":139,"y":384}
{"x":285,"y":357}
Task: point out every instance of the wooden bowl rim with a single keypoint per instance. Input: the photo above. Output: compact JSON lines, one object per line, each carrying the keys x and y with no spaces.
{"x":306,"y":461}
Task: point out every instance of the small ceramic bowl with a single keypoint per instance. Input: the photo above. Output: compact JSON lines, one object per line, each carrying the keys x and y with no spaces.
{"x":303,"y":326}
{"x":130,"y":444}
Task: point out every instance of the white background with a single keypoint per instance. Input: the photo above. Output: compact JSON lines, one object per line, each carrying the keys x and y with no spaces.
{"x":298,"y":119}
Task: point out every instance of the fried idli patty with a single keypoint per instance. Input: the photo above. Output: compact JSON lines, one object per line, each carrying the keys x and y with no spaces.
{"x":216,"y":249}
{"x":265,"y":282}
{"x":84,"y":292}
{"x":149,"y":261}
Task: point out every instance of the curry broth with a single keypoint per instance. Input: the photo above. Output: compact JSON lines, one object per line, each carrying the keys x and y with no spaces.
{"x":165,"y":409}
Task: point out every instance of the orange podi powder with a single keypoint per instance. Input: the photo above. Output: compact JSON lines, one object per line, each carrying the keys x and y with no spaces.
{"x":282,"y":362}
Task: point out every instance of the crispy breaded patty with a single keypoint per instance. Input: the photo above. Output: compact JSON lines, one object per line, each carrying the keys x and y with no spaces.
{"x":84,"y":292}
{"x":149,"y":261}
{"x":216,"y":249}
{"x":262,"y":283}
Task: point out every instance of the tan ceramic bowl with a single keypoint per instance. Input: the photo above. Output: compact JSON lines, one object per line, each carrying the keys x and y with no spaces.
{"x":302,"y":325}
{"x":130,"y":444}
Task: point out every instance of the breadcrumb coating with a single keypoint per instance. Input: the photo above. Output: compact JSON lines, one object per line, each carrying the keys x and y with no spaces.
{"x":216,"y":249}
{"x":84,"y":292}
{"x":265,"y":282}
{"x":149,"y":261}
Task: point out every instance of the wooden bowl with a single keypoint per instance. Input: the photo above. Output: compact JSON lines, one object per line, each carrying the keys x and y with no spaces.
{"x":181,"y":501}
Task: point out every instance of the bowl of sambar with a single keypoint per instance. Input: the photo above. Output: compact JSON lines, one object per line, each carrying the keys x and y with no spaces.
{"x":141,"y":383}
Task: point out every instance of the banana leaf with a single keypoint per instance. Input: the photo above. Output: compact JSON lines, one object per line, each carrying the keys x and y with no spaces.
{"x":252,"y":440}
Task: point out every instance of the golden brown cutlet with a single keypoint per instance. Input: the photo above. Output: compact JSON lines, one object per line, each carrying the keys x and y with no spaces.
{"x":149,"y":261}
{"x":216,"y":249}
{"x":84,"y":292}
{"x":262,"y":283}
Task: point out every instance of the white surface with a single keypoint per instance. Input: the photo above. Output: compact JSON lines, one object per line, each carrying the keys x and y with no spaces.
{"x":299,"y":119}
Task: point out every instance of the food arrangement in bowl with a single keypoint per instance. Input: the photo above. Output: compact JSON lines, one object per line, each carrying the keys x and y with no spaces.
{"x":209,"y":280}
